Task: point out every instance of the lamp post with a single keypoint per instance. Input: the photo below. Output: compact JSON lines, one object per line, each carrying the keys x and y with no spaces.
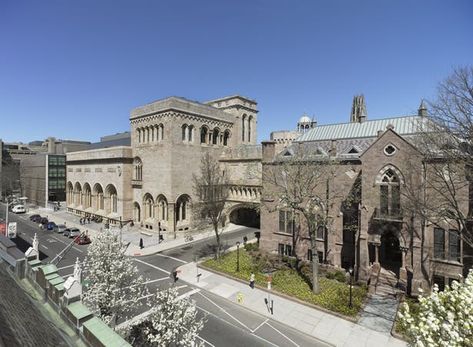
{"x":238,"y":256}
{"x":350,"y":270}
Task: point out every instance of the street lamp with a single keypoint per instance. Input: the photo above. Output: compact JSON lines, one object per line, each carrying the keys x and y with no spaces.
{"x":238,"y":256}
{"x":350,"y":270}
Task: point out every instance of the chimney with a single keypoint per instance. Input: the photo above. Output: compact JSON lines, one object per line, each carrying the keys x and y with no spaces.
{"x":269,"y":151}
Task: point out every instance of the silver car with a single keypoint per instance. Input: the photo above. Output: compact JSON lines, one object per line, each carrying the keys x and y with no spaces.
{"x":59,"y":228}
{"x":74,"y":232}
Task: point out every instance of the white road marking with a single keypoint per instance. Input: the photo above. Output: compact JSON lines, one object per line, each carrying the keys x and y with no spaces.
{"x":233,"y":325}
{"x":259,"y":326}
{"x":44,"y":246}
{"x":168,"y":256}
{"x":65,"y":267}
{"x":295,"y":344}
{"x":151,"y":265}
{"x":189,"y":293}
{"x":180,"y":287}
{"x":223,"y":310}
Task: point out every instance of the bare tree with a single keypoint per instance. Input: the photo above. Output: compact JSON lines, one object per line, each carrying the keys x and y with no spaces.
{"x":211,"y":187}
{"x":301,"y":183}
{"x":444,"y":195}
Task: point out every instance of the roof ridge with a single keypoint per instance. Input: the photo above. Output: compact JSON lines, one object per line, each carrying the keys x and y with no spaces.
{"x":367,"y":121}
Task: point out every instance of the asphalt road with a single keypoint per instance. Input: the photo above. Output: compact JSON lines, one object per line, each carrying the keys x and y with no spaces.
{"x":227,"y":323}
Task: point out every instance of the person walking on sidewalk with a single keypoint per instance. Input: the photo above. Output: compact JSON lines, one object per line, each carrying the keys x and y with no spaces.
{"x":252,"y":281}
{"x":141,"y":243}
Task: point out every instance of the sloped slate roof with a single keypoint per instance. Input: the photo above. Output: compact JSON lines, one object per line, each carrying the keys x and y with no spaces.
{"x":402,"y":125}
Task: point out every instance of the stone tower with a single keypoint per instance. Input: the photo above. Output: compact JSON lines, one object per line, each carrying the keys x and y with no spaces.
{"x":358,"y":109}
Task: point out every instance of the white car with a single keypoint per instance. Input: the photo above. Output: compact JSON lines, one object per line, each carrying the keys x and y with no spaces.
{"x":18,"y":209}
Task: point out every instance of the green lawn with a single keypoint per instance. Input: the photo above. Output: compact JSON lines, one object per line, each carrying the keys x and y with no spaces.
{"x":333,"y":295}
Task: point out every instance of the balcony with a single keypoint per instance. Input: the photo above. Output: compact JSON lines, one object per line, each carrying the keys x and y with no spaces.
{"x":388,"y":216}
{"x":136,"y":183}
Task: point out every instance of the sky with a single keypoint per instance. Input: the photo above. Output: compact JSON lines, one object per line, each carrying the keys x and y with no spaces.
{"x":75,"y":69}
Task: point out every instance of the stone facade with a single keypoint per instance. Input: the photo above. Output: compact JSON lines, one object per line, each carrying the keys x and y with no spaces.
{"x":168,"y":139}
{"x":380,"y":231}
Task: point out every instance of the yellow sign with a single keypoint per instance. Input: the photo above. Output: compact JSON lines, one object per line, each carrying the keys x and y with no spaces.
{"x":240,"y":298}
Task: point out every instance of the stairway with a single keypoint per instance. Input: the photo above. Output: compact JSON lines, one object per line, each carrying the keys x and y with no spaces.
{"x":387,"y":283}
{"x":380,"y":310}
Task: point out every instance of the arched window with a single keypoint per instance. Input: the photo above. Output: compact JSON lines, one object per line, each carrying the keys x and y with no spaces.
{"x":137,"y":169}
{"x":243,"y":121}
{"x":98,"y":197}
{"x":148,"y":204}
{"x":215,"y":136}
{"x":112,"y":199}
{"x":70,"y":193}
{"x":203,"y":134}
{"x":138,"y":135}
{"x":250,"y":119}
{"x":184,"y":132}
{"x":162,"y":208}
{"x":182,"y":208}
{"x":226,"y":137}
{"x":87,"y":196}
{"x":136,"y":212}
{"x":160,"y":132}
{"x":390,"y":194}
{"x":77,"y":194}
{"x":190,"y":133}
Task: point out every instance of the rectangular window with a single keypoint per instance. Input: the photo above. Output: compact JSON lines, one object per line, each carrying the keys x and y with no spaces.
{"x":453,"y":245}
{"x":348,"y":236}
{"x":61,"y":161}
{"x":53,"y":184}
{"x":52,"y":172}
{"x":440,"y":281}
{"x":282,"y":221}
{"x":321,"y":233}
{"x":52,"y":160}
{"x":289,"y":222}
{"x":439,"y":243}
{"x":321,"y":256}
{"x":281,"y":249}
{"x":309,"y":255}
{"x":288,"y":250}
{"x":61,"y":172}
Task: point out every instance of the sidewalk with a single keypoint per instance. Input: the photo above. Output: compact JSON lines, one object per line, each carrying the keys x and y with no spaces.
{"x":324,"y":326}
{"x":130,"y":235}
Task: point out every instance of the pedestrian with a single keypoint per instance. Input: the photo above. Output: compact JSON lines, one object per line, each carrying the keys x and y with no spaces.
{"x":141,"y":243}
{"x":252,"y":281}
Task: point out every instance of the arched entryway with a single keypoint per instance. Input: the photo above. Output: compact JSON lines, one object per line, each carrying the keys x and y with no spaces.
{"x":245,"y":216}
{"x":390,"y":256}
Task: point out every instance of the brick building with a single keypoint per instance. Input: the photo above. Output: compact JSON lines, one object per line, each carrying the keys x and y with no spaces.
{"x":379,"y":232}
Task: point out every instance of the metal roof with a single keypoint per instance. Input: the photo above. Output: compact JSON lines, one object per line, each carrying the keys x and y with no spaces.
{"x":402,"y":125}
{"x":104,"y":334}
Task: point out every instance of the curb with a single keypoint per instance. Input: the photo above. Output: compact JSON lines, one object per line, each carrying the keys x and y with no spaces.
{"x":285,"y":296}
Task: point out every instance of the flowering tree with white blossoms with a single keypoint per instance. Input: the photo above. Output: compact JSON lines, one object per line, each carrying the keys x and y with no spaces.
{"x":445,"y":319}
{"x":172,"y":322}
{"x":114,"y":285}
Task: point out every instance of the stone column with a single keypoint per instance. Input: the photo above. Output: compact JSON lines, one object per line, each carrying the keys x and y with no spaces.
{"x":172,"y":219}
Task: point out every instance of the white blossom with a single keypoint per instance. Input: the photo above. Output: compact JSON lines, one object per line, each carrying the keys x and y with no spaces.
{"x":445,"y":319}
{"x":113,"y":285}
{"x":172,"y":322}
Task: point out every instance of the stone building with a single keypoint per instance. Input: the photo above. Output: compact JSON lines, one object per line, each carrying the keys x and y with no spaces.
{"x":376,"y":159}
{"x":150,"y":181}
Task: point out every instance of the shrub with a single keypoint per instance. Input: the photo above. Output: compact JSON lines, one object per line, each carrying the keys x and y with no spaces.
{"x":338,"y":275}
{"x":251,"y":247}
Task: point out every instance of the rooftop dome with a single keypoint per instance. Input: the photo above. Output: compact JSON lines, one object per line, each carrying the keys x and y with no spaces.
{"x":305,"y":119}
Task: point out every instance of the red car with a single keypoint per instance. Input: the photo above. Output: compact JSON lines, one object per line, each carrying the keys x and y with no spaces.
{"x":82,"y":240}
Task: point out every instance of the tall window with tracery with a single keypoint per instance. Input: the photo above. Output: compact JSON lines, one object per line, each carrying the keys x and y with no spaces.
{"x":390,"y":194}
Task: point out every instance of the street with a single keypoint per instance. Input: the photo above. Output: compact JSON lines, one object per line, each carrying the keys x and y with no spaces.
{"x":227,"y":323}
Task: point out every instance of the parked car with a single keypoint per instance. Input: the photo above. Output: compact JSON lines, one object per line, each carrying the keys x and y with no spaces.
{"x":59,"y":228}
{"x":19,"y":209}
{"x":42,"y":222}
{"x":66,"y":232}
{"x":74,"y":232}
{"x":34,"y":217}
{"x":50,"y":226}
{"x":83,"y":240}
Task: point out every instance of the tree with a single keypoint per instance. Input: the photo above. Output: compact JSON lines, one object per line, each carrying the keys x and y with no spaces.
{"x":172,"y":322}
{"x":442,"y":319}
{"x":445,"y":141}
{"x":301,"y":183}
{"x":114,"y":284}
{"x":211,"y":187}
